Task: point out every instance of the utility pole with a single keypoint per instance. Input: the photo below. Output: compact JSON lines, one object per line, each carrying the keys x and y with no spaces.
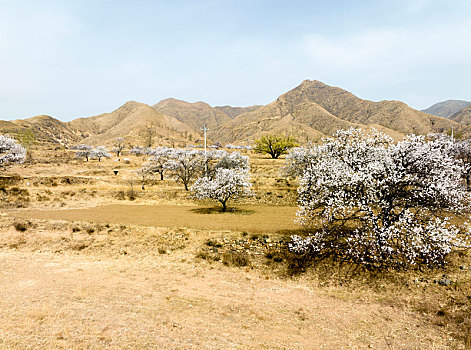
{"x":205,"y":129}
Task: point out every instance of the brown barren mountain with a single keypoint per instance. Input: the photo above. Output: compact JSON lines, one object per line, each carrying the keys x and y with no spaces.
{"x":41,"y":130}
{"x":138,"y":124}
{"x":463,"y":116}
{"x":447,"y":108}
{"x":314,"y":109}
{"x":309,"y":112}
{"x":196,"y":115}
{"x":235,"y":111}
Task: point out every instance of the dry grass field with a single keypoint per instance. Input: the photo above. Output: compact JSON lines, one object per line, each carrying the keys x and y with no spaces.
{"x":89,"y":260}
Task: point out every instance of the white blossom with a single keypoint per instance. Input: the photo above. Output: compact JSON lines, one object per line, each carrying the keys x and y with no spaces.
{"x":100,"y":152}
{"x":11,"y":151}
{"x":226,"y":184}
{"x":83,"y":151}
{"x":378,"y":202}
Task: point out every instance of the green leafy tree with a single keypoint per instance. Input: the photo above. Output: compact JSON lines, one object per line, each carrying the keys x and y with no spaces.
{"x":275,"y":145}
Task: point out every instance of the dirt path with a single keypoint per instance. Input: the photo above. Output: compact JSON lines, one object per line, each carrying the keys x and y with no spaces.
{"x":76,"y":301}
{"x":247,"y":218}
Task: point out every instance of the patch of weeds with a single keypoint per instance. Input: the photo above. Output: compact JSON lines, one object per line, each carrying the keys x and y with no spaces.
{"x":205,"y":255}
{"x":276,"y":256}
{"x":215,"y":244}
{"x":78,"y":246}
{"x":20,"y":226}
{"x":235,"y":259}
{"x":90,"y":230}
{"x":120,"y":195}
{"x":76,"y":229}
{"x":162,"y":251}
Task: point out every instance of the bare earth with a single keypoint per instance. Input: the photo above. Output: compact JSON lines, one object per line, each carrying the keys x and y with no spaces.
{"x":246,"y":218}
{"x":80,"y":302}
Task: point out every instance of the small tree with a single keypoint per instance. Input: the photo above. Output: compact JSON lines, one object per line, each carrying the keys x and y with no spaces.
{"x":226,"y":184}
{"x":11,"y":151}
{"x":274,"y":145}
{"x":100,"y":152}
{"x":145,"y":173}
{"x":381,"y":204}
{"x":185,"y":165}
{"x":158,"y":159}
{"x":118,"y":146}
{"x":233,"y":160}
{"x":138,"y":150}
{"x":83,"y":151}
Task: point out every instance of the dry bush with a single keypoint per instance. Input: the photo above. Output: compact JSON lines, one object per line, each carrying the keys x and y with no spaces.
{"x":238,"y":259}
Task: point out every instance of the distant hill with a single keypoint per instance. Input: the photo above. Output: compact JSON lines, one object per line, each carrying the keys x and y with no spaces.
{"x":463,"y":116}
{"x":309,"y":112}
{"x":40,"y":130}
{"x":314,"y":109}
{"x":195,"y":114}
{"x":138,"y":124}
{"x":447,"y":108}
{"x":235,"y":111}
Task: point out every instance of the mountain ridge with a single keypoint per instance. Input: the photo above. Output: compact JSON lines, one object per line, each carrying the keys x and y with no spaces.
{"x":309,"y":111}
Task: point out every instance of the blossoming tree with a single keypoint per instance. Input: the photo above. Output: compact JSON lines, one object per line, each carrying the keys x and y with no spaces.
{"x":10,"y":151}
{"x":379,"y":203}
{"x":226,"y":184}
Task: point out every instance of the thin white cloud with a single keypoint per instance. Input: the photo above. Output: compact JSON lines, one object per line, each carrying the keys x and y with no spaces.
{"x":383,"y":52}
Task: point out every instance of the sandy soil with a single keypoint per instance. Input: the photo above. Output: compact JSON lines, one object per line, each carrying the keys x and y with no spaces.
{"x":75,"y":301}
{"x":246,"y":218}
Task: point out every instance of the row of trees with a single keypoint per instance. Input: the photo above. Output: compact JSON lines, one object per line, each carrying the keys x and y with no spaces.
{"x":216,"y":174}
{"x":89,"y":152}
{"x":378,"y":203}
{"x":273,"y":144}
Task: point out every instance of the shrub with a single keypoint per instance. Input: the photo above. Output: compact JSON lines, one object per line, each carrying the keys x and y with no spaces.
{"x":20,"y":227}
{"x":238,"y":259}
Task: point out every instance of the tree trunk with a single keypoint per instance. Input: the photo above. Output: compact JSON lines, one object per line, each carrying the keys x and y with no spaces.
{"x":224,"y":207}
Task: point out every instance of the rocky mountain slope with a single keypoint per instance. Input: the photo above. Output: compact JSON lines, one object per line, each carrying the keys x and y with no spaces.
{"x":195,"y":115}
{"x":138,"y":124}
{"x":447,"y":108}
{"x":314,"y":109}
{"x":309,"y":112}
{"x":41,"y":130}
{"x":463,"y":116}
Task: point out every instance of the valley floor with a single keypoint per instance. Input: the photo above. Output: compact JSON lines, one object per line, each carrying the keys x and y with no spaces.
{"x":78,"y":301}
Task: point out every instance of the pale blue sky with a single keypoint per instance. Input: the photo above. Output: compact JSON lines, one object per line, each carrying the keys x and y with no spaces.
{"x":78,"y":58}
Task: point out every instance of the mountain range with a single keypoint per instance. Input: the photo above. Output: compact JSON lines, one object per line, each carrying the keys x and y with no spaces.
{"x":309,"y":112}
{"x":447,"y":108}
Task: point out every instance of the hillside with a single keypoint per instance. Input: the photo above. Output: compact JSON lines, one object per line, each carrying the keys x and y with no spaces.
{"x":314,"y":109}
{"x":40,"y":130}
{"x":138,"y":124}
{"x":195,"y":115}
{"x":447,"y":108}
{"x":310,"y":111}
{"x":233,"y":112}
{"x":463,"y":116}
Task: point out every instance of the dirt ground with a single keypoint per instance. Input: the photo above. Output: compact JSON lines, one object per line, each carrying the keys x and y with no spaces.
{"x":261,"y":219}
{"x":82,"y":302}
{"x":89,"y":260}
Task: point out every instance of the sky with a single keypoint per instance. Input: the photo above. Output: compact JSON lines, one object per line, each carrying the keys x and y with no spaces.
{"x":79,"y":58}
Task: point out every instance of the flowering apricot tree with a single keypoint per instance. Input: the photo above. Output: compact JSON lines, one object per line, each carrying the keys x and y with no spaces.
{"x":379,"y":203}
{"x":226,"y":184}
{"x":11,"y":151}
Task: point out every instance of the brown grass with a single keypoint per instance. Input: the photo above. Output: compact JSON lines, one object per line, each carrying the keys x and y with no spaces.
{"x":93,"y":271}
